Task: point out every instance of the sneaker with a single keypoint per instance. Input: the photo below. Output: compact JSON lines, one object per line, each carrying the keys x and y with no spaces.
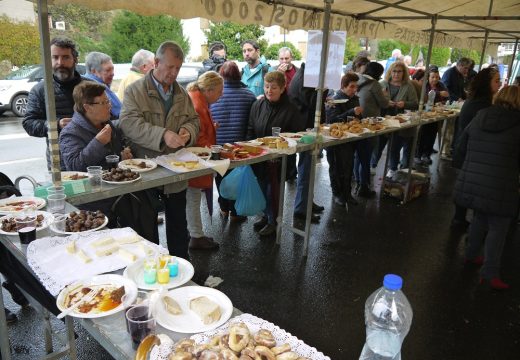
{"x":317,"y":208}
{"x":495,"y":283}
{"x":9,"y":316}
{"x":426,"y":160}
{"x":391,"y":173}
{"x":365,"y":192}
{"x":260,"y":223}
{"x":268,"y":229}
{"x":203,"y":243}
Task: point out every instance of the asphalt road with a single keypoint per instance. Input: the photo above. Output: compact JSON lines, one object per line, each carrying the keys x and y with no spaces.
{"x":21,"y":154}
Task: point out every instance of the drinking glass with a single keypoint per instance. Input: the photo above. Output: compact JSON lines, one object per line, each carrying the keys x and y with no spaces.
{"x":26,"y":227}
{"x":276,"y":131}
{"x":94,"y":176}
{"x":112,"y":161}
{"x":141,"y":323}
{"x":56,"y":203}
{"x":55,"y":190}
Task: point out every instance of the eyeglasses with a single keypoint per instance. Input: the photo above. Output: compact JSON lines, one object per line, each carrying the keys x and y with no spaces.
{"x":104,"y":102}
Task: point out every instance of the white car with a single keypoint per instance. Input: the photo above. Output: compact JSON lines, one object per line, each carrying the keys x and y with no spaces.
{"x":15,"y":88}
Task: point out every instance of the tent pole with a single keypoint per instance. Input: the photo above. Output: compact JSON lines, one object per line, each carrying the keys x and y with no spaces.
{"x":317,"y":120}
{"x":485,"y":37}
{"x":421,"y":106}
{"x":50,"y":103}
{"x":510,"y":70}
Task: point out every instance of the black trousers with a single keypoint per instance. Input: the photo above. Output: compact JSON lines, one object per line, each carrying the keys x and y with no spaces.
{"x":427,"y":137}
{"x":225,"y":204}
{"x":341,"y":163}
{"x":177,"y":236}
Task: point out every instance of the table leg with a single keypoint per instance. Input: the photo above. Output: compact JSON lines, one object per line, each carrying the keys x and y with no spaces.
{"x":442,"y":140}
{"x":387,"y":159}
{"x":71,"y":341}
{"x":310,"y":200}
{"x":47,"y":331}
{"x":5,"y":347}
{"x":279,"y":219}
{"x":410,"y":164}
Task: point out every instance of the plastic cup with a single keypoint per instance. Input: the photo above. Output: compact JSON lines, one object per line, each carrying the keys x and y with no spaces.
{"x":94,"y":176}
{"x":215,"y":152}
{"x":163,"y":275}
{"x":276,"y":131}
{"x":141,"y":299}
{"x":60,"y":223}
{"x":173,"y":265}
{"x":56,"y":203}
{"x":112,"y":161}
{"x":141,"y":323}
{"x":55,"y":190}
{"x":26,"y":227}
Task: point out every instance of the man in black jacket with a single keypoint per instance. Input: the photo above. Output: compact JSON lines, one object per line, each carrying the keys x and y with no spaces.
{"x":65,"y":78}
{"x":217,"y":56}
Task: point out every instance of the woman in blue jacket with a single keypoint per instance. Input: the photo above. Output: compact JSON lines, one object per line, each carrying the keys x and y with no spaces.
{"x":231,"y":114}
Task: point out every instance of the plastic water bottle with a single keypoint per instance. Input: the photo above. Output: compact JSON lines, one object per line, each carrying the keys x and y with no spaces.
{"x":431,"y":100}
{"x":388,"y":316}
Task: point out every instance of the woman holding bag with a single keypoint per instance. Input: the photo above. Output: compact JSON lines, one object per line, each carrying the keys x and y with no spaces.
{"x":203,"y":92}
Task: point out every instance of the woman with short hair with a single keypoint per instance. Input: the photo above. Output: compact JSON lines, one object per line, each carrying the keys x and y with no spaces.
{"x":206,"y":90}
{"x":488,"y":154}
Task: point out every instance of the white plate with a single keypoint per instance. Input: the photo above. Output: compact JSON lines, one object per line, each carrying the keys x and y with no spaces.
{"x":121,"y":182}
{"x":188,"y":322}
{"x":109,"y":279}
{"x":5,"y":209}
{"x":134,"y":272}
{"x":131,"y":165}
{"x":198,"y":150}
{"x":48,"y":218}
{"x":65,"y":175}
{"x":53,"y":228}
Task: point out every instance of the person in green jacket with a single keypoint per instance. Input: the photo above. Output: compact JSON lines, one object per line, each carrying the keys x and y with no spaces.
{"x":254,"y":71}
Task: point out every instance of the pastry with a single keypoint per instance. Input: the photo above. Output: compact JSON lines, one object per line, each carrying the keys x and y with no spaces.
{"x":238,"y":337}
{"x":207,"y":310}
{"x":171,"y":305}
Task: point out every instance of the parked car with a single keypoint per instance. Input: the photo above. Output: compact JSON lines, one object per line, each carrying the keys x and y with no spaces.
{"x":15,"y":87}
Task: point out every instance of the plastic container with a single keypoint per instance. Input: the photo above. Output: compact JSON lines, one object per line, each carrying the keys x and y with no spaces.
{"x":388,"y":316}
{"x":431,"y":100}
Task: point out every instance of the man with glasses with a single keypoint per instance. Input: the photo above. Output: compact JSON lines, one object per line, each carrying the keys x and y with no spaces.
{"x":158,"y":118}
{"x":101,"y":69}
{"x":64,"y":58}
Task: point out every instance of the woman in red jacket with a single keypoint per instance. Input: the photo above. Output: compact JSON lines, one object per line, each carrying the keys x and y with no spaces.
{"x":203,"y":92}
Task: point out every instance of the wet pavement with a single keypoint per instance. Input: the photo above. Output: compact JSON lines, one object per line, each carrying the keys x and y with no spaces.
{"x":320,"y":299}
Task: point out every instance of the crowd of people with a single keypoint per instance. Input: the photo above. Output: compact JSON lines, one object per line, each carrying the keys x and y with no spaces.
{"x":152,"y":115}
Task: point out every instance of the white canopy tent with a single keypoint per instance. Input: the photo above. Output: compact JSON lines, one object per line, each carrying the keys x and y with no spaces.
{"x":470,"y":24}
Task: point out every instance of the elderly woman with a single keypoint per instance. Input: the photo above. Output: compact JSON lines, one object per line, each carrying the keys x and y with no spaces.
{"x":402,"y":97}
{"x":274,"y":110}
{"x":90,"y":136}
{"x":101,"y":69}
{"x":489,"y":152}
{"x":231,"y":113}
{"x":203,"y":92}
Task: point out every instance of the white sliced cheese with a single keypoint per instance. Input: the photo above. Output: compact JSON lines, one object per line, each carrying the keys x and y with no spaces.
{"x":83,"y":257}
{"x":102,"y":242}
{"x":107,"y":251}
{"x":207,"y":310}
{"x":128,"y":240}
{"x":71,"y":247}
{"x":127,"y":255}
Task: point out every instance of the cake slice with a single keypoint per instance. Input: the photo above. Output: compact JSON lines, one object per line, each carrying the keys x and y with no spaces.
{"x":207,"y":310}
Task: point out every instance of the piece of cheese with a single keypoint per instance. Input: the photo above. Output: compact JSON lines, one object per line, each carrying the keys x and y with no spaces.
{"x":71,"y":247}
{"x":127,"y":255}
{"x":145,"y":249}
{"x":107,"y":251}
{"x":171,"y":305}
{"x":128,"y":240}
{"x":207,"y":310}
{"x":102,"y":242}
{"x":83,"y":257}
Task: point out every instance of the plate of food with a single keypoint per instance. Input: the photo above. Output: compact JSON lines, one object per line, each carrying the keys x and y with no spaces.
{"x":192,"y":309}
{"x":241,"y":151}
{"x":73,"y":175}
{"x":97,"y":296}
{"x":135,"y":272}
{"x":295,"y":136}
{"x":19,"y":203}
{"x":83,"y":221}
{"x":120,"y":176}
{"x":201,"y":152}
{"x":139,"y":165}
{"x":8,"y":223}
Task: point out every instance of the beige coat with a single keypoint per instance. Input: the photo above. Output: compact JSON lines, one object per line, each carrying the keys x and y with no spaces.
{"x":143,"y":121}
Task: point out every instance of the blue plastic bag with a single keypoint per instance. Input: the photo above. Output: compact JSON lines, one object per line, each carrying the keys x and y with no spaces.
{"x":250,"y":200}
{"x":230,"y":184}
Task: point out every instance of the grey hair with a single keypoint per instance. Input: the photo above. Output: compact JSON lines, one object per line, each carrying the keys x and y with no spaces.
{"x":285,"y":49}
{"x":141,"y":57}
{"x":94,"y":60}
{"x":173,"y":47}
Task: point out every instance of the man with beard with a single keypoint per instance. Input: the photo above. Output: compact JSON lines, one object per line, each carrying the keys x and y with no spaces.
{"x":65,"y":78}
{"x":101,"y":70}
{"x":253,"y":73}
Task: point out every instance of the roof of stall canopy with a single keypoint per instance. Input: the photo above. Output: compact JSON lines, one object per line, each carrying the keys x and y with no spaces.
{"x":460,"y":23}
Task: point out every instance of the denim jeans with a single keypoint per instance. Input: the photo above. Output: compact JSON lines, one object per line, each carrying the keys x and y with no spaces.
{"x":177,"y":236}
{"x":302,"y":184}
{"x":362,"y":162}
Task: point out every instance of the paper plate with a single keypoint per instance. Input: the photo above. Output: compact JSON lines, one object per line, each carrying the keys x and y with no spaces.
{"x":121,"y":182}
{"x":200,"y":150}
{"x":133,"y":164}
{"x":134,"y":272}
{"x":107,"y":279}
{"x":16,"y":204}
{"x":70,"y":175}
{"x":48,"y":218}
{"x":53,"y":228}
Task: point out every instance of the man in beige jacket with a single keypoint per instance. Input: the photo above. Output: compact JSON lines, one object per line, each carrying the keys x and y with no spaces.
{"x":142,"y":62}
{"x":158,"y":118}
